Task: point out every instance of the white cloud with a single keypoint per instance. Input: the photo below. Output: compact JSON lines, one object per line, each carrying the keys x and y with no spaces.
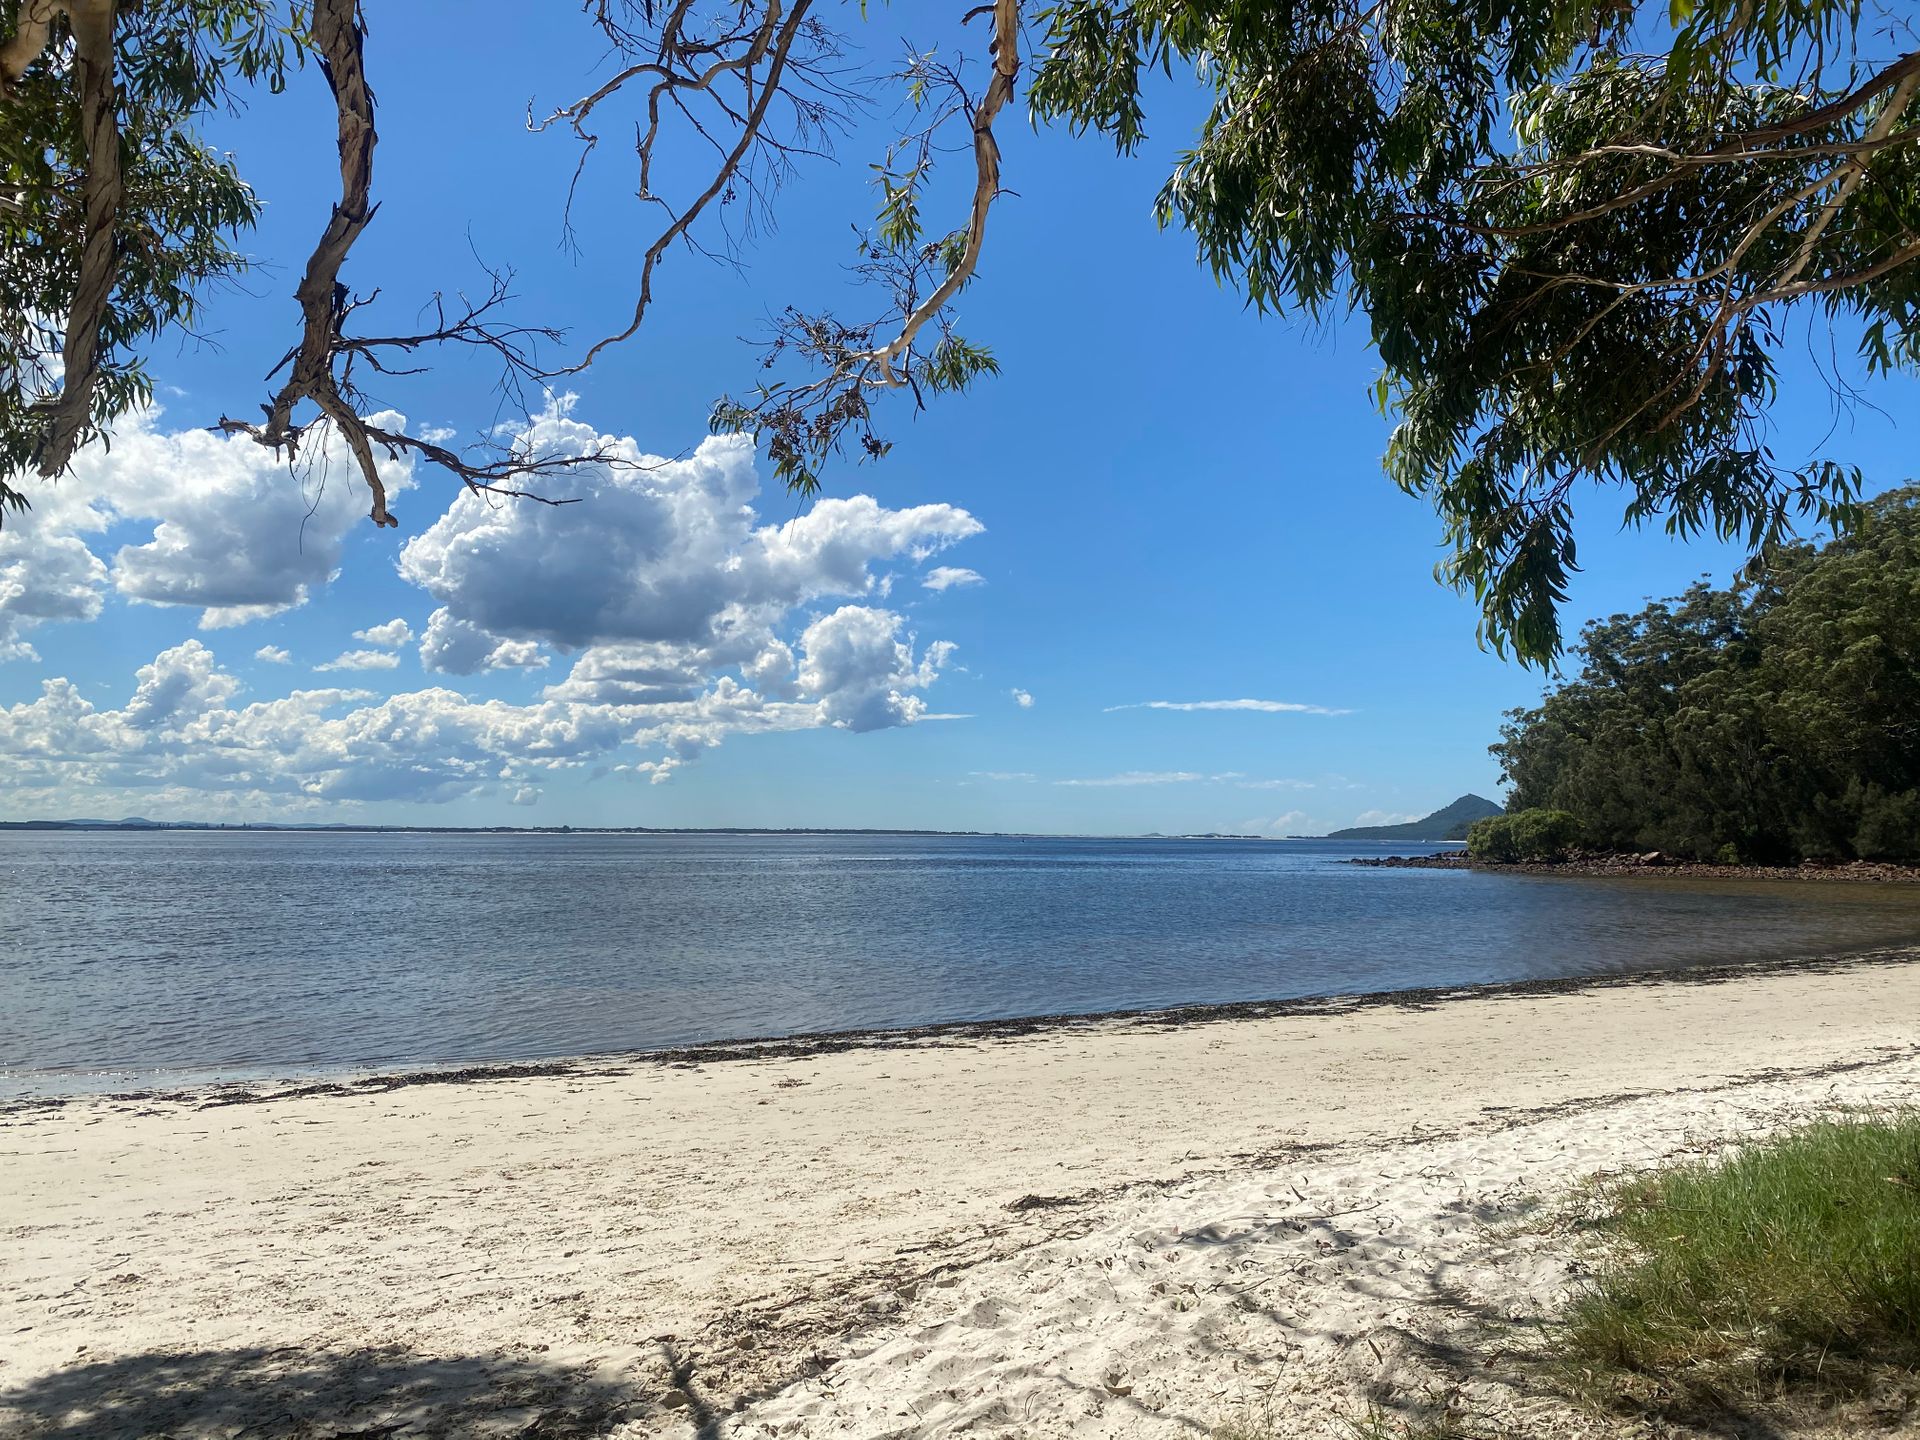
{"x":688,"y":621}
{"x":948,"y":577}
{"x":1264,"y":707}
{"x":181,"y":684}
{"x":1019,"y":775}
{"x":1189,"y":777}
{"x":43,"y":578}
{"x":1382,"y":817}
{"x":1021,"y":698}
{"x":525,"y":795}
{"x":1141,"y":777}
{"x":238,"y":533}
{"x":392,"y":634}
{"x":231,"y":529}
{"x":634,"y":674}
{"x":457,"y":648}
{"x":362,"y":660}
{"x":662,"y":550}
{"x":47,"y":573}
{"x":857,"y":667}
{"x":274,"y":655}
{"x":182,"y":732}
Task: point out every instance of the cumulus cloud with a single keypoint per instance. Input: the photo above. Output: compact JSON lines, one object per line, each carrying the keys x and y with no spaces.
{"x":686,"y":620}
{"x":230,"y":529}
{"x":47,"y":572}
{"x":43,"y":578}
{"x":857,"y":666}
{"x":665,"y":551}
{"x":274,"y":655}
{"x":525,"y":795}
{"x":1022,"y":698}
{"x":184,"y":731}
{"x":180,"y":685}
{"x":636,"y":674}
{"x":1264,"y":707}
{"x":362,"y":660}
{"x":392,"y":634}
{"x":238,"y":533}
{"x":947,"y":577}
{"x":455,"y":647}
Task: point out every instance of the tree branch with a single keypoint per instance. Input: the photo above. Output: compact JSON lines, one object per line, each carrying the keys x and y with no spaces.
{"x":771,"y":42}
{"x":339,"y":38}
{"x":1005,"y":52}
{"x":32,"y":30}
{"x":69,"y":415}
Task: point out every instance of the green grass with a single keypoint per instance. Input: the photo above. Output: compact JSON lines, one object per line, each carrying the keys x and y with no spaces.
{"x":1791,"y":1266}
{"x":1447,"y":1423}
{"x":1375,"y":1424}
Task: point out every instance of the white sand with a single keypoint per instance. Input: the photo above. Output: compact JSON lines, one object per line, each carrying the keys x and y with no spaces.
{"x":822,"y":1246}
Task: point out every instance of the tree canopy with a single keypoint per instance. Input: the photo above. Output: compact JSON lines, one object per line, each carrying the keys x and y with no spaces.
{"x":1580,"y":232}
{"x":1773,"y":722}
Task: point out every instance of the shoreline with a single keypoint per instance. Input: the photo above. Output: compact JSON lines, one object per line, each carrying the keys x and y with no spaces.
{"x":1051,"y":1232}
{"x":1653,"y":865}
{"x":352,"y":1081}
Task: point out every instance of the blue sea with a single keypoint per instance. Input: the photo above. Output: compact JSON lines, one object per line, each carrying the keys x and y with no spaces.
{"x":131,"y":959}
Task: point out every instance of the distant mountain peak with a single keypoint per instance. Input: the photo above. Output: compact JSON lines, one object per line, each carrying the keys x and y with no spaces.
{"x":1449,"y":822}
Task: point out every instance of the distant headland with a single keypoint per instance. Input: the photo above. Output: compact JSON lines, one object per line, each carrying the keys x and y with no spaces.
{"x":1450,"y":822}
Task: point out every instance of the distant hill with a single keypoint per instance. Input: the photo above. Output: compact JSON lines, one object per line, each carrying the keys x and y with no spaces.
{"x":1450,"y":822}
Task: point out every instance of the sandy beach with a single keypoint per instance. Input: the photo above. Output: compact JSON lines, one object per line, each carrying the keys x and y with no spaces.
{"x":1128,"y":1227}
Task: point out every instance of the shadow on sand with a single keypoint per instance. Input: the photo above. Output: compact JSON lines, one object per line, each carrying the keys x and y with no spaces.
{"x":298,"y":1394}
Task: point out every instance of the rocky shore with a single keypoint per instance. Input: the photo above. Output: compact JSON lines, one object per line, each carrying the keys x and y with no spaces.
{"x":1654,"y":862}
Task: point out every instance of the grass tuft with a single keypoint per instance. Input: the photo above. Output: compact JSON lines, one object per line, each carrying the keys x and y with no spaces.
{"x":1792,"y":1265}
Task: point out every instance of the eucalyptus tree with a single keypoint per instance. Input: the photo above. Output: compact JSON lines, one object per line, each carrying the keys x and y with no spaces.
{"x":1581,"y":232}
{"x":1776,"y":721}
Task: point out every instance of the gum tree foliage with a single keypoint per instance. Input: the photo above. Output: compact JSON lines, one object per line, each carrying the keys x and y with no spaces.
{"x":1581,"y":231}
{"x":1581,"y":234}
{"x":1773,"y":722}
{"x":114,"y":219}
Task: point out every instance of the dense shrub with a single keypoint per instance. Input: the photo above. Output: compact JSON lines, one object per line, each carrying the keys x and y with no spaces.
{"x":1523,"y":835}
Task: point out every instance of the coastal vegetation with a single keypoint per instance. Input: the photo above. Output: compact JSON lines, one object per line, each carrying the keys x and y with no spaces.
{"x":1525,"y":835}
{"x":1772,"y":722}
{"x":1581,"y":234}
{"x":1789,"y":1267}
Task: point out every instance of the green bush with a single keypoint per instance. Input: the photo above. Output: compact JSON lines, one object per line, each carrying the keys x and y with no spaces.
{"x":1525,"y":835}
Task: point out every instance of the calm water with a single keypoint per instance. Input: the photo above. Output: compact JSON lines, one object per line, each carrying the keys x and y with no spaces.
{"x":246,"y":954}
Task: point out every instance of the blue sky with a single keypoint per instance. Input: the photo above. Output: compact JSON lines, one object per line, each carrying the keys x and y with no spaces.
{"x":1162,"y":498}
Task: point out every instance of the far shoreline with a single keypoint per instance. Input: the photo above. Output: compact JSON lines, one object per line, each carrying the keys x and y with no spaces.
{"x":352,"y":1081}
{"x":1652,"y":865}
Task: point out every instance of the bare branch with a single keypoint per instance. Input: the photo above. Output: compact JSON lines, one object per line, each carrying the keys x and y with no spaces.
{"x":738,"y":54}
